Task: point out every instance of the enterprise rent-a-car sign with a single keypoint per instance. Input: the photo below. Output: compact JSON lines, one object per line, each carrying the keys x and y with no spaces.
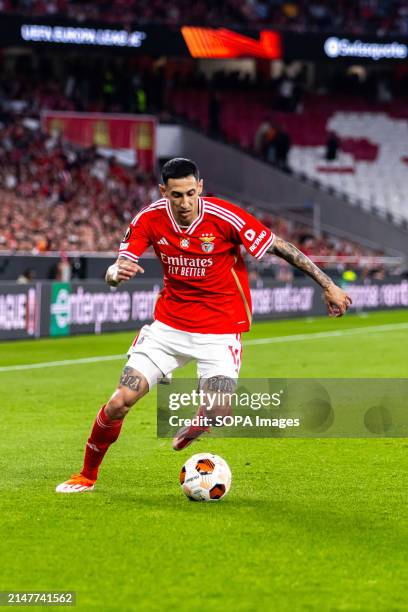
{"x":92,"y":307}
{"x":61,"y":309}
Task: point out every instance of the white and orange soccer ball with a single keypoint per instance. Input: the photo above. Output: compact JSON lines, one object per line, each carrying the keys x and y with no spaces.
{"x":205,"y":477}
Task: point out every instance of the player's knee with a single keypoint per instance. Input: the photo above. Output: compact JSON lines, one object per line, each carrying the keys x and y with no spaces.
{"x":132,"y":386}
{"x":219,"y":384}
{"x":218,"y":390}
{"x":120,"y":403}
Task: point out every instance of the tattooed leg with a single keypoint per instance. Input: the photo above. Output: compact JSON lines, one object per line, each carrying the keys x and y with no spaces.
{"x":221,"y":384}
{"x":132,"y":386}
{"x":219,"y":389}
{"x":130,"y":378}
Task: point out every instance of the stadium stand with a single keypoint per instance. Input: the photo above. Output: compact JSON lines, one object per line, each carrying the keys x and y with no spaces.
{"x":55,"y":197}
{"x":371,"y":166}
{"x":93,"y":197}
{"x":126,"y":11}
{"x":353,"y":16}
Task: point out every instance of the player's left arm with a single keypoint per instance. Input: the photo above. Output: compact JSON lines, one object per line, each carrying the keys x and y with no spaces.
{"x":258,"y":240}
{"x":336,"y":299}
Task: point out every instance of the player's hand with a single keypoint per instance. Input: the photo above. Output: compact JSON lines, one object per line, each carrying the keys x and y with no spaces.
{"x":127,"y":269}
{"x":337,"y":300}
{"x":122,"y":270}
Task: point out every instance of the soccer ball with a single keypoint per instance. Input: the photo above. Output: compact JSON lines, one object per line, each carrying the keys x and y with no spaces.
{"x":205,"y":477}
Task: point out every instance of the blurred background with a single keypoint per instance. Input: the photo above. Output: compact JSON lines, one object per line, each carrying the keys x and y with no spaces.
{"x":296,"y":111}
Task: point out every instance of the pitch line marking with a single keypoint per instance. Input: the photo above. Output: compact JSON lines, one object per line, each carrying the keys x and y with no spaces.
{"x":52,"y":364}
{"x":278,"y":339}
{"x":329,"y":334}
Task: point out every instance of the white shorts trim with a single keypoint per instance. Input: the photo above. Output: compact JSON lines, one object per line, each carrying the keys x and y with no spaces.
{"x":168,"y":348}
{"x":146,"y":367}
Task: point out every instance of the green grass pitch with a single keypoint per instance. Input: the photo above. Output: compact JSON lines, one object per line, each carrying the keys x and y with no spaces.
{"x":308,"y":524}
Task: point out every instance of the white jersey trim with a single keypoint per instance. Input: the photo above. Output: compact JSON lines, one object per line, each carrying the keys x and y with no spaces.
{"x":172,"y":219}
{"x":231,"y":216}
{"x":265,"y":247}
{"x":193,"y":226}
{"x":123,"y":252}
{"x":129,"y":255}
{"x":199,"y":218}
{"x":154,"y":206}
{"x":216,"y":213}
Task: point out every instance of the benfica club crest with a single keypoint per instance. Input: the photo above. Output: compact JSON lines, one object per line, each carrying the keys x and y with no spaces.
{"x":184,"y":243}
{"x":207,"y":242}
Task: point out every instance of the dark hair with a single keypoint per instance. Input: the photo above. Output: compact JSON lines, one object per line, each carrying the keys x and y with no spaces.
{"x":179,"y":167}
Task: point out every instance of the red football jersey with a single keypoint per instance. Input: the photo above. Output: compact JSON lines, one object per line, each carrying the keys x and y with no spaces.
{"x":206,"y":286}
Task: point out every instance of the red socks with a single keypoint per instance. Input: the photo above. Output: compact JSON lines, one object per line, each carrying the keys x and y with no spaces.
{"x":103,"y":434}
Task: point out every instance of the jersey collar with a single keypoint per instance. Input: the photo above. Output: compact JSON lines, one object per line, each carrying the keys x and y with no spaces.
{"x":192,"y":227}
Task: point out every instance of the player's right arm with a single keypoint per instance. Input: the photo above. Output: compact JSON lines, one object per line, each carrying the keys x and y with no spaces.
{"x":135,"y":241}
{"x":123,"y":269}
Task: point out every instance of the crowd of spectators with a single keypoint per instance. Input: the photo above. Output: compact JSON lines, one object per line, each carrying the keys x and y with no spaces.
{"x":140,"y":85}
{"x":326,"y":250}
{"x":353,"y":16}
{"x":375,"y":17}
{"x":55,"y":197}
{"x":109,"y":85}
{"x":128,"y":11}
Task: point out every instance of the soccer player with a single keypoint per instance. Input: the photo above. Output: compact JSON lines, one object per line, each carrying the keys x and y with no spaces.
{"x":204,"y":306}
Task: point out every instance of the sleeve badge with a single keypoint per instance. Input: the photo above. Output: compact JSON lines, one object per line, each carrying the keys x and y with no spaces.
{"x":127,"y":234}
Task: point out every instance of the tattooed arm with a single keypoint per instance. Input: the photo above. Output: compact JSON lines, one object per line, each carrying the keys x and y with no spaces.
{"x":291,"y":254}
{"x":336,"y":299}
